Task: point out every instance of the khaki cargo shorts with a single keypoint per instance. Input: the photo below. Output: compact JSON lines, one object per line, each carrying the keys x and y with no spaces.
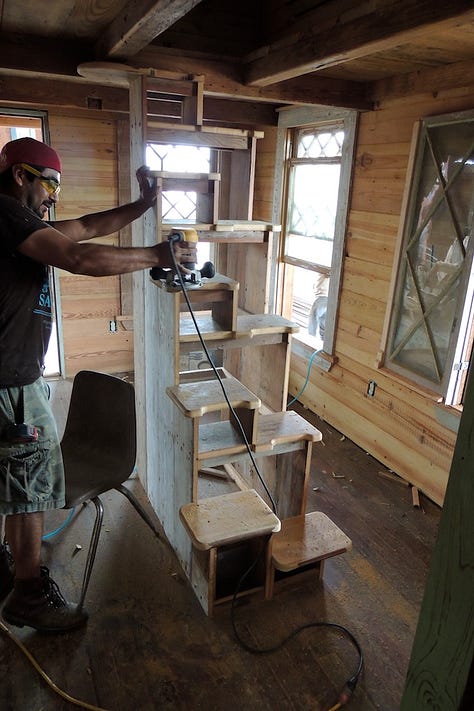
{"x":31,"y":473}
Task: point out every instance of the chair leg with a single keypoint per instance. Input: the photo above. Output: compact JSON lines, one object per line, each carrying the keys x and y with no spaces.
{"x":92,"y":548}
{"x":139,"y":508}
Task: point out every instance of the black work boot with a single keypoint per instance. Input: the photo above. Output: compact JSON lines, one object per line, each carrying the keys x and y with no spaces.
{"x":38,"y":603}
{"x":7,"y":573}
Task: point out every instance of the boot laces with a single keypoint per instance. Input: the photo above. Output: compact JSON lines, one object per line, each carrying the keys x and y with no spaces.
{"x":51,"y":589}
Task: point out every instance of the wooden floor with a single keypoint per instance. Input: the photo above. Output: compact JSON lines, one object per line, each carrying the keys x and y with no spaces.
{"x":149,"y":647}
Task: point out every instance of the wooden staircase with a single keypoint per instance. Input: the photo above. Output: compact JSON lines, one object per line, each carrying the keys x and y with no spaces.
{"x":219,"y":427}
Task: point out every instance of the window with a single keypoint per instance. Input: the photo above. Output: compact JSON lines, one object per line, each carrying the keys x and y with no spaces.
{"x":430,"y":330}
{"x":15,"y":124}
{"x":315,"y":185}
{"x":180,"y":206}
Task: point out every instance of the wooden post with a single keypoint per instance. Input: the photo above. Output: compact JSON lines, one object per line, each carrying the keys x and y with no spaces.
{"x":137,"y":158}
{"x":443,"y":649}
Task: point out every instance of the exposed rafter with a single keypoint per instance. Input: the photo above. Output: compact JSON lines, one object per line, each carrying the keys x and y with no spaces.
{"x":224,"y":79}
{"x":387,"y":26}
{"x":138,"y":24}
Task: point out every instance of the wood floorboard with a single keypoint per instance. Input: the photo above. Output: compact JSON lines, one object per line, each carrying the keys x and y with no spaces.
{"x":148,"y":646}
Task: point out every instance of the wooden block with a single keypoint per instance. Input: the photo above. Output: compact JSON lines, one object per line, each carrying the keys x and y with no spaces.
{"x":307,"y":539}
{"x":229,"y":518}
{"x":415,"y":497}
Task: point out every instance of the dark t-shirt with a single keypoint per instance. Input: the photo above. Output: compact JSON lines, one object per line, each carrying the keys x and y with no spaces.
{"x":25,"y":301}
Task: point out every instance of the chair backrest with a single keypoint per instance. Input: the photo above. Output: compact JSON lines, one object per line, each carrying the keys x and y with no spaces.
{"x":99,"y":441}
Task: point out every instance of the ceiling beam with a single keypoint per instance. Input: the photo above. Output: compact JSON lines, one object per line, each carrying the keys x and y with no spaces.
{"x":62,"y":94}
{"x":138,"y":24}
{"x":27,"y":56}
{"x":389,"y":25}
{"x":224,"y":79}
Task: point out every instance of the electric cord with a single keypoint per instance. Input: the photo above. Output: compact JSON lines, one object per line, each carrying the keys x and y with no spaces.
{"x":351,"y":683}
{"x":60,"y":528}
{"x":47,"y":679}
{"x":310,"y":363}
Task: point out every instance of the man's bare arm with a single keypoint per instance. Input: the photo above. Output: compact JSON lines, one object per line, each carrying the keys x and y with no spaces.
{"x":51,"y":247}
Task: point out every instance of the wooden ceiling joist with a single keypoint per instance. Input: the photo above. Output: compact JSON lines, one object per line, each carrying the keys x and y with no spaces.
{"x":138,"y":24}
{"x":224,"y":79}
{"x":390,"y":24}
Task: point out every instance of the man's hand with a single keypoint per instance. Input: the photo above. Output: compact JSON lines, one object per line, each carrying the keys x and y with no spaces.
{"x":148,"y":187}
{"x":184,"y":252}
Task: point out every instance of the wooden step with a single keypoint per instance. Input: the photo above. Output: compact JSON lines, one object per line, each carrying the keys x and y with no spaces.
{"x":228,"y":518}
{"x":277,"y":432}
{"x":278,"y":428}
{"x":219,"y":528}
{"x":195,"y":399}
{"x":304,"y":541}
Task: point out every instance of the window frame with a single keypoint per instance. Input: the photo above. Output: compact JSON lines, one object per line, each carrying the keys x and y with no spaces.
{"x":450,"y":384}
{"x":296,"y":118}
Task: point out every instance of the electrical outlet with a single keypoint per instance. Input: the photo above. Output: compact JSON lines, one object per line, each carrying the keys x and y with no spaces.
{"x":371,"y":388}
{"x":113,"y":326}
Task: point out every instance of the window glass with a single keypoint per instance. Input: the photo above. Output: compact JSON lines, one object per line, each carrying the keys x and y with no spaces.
{"x":180,"y":206}
{"x":312,"y":212}
{"x":436,"y":259}
{"x":313,"y":188}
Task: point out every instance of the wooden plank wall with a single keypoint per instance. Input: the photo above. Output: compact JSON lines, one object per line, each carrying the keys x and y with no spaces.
{"x":88,"y":149}
{"x":399,"y":425}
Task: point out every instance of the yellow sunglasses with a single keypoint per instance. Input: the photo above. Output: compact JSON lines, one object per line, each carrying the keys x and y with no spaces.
{"x":51,"y":185}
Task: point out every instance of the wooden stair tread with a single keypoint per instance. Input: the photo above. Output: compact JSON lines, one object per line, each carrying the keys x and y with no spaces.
{"x":281,"y":427}
{"x":307,"y":539}
{"x":257,"y":324}
{"x":198,"y":398}
{"x":275,"y":430}
{"x":228,"y":518}
{"x":248,"y":326}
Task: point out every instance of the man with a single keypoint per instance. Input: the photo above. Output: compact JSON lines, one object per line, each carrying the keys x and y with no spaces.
{"x":31,"y":470}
